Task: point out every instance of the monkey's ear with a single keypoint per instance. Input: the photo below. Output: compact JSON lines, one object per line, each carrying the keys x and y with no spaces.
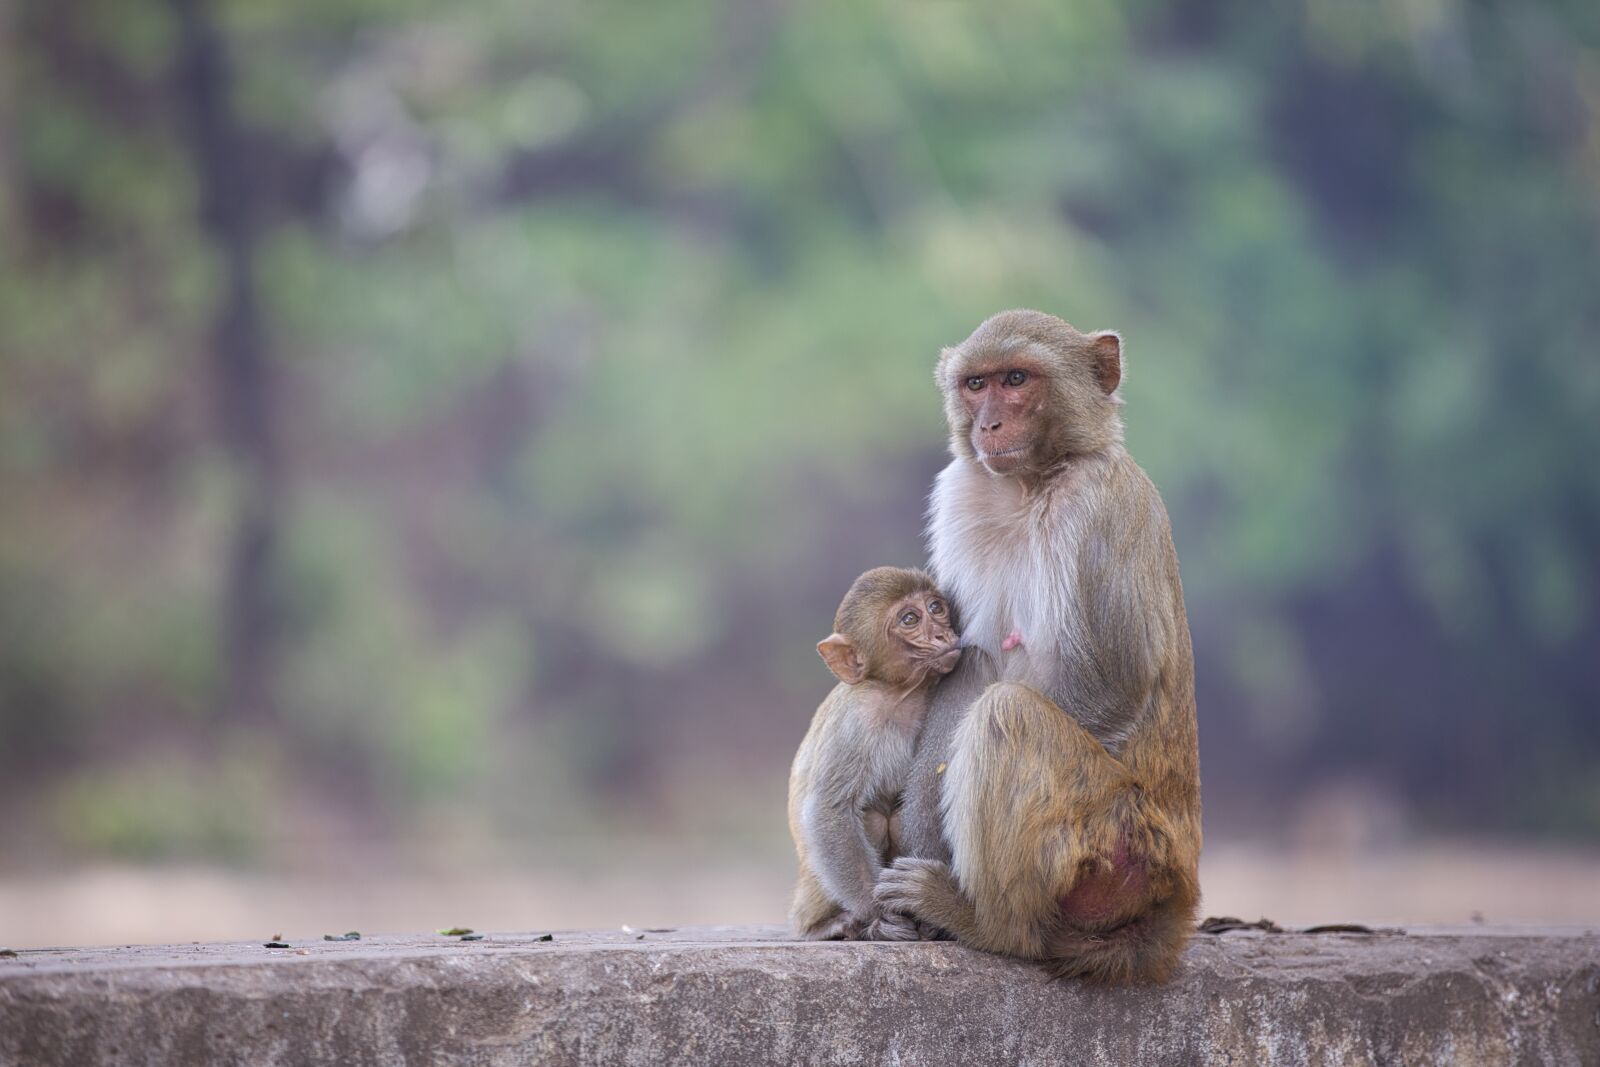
{"x":840,"y":654}
{"x":1105,"y":356}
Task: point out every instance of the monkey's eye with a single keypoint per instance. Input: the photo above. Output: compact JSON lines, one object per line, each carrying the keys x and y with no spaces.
{"x":908,"y":619}
{"x":936,"y":607}
{"x":1016,"y":377}
{"x":975,"y":383}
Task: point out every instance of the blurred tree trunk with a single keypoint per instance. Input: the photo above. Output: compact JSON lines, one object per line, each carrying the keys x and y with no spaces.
{"x":240,"y":376}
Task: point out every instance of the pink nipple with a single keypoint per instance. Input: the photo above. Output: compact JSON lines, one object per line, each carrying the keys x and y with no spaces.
{"x":1013,"y":640}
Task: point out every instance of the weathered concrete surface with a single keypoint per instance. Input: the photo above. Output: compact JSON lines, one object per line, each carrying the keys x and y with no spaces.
{"x":747,"y":996}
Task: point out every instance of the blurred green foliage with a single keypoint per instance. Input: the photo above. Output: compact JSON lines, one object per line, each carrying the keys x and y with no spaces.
{"x":599,"y":341}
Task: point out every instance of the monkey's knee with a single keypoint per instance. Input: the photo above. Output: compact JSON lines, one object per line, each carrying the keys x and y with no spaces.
{"x":1013,"y":711}
{"x":1011,"y":695}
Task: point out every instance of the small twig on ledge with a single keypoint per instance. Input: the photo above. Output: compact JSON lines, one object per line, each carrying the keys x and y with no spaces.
{"x":1222,"y":925}
{"x":1214,"y":925}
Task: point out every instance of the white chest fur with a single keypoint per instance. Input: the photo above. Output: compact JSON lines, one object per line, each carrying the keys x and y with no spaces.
{"x":1008,"y":560}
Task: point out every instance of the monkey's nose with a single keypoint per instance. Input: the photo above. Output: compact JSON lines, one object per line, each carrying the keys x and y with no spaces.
{"x":991,"y":427}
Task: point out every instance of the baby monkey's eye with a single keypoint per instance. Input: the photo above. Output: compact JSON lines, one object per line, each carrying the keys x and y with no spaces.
{"x":975,"y":383}
{"x":908,"y":619}
{"x":936,"y":607}
{"x":1016,"y":377}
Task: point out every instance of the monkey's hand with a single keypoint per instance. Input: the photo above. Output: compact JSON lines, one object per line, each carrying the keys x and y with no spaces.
{"x":926,"y":891}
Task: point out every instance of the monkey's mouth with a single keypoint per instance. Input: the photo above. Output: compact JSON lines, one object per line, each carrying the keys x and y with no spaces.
{"x":945,"y":662}
{"x":1005,"y":455}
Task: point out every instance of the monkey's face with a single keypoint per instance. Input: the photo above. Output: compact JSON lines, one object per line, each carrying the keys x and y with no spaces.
{"x":1004,"y":400}
{"x":1026,"y":390}
{"x":922,"y":635}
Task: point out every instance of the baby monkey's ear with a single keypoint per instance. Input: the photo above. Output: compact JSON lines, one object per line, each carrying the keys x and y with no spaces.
{"x":842,"y":658}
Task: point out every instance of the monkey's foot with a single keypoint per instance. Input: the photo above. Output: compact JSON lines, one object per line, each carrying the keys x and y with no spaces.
{"x":840,"y":928}
{"x":891,"y":927}
{"x":925,"y":890}
{"x":1013,"y":640}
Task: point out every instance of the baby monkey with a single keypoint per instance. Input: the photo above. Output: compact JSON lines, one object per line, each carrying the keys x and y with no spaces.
{"x":892,"y":639}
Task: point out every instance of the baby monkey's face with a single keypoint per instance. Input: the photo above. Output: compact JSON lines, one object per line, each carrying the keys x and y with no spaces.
{"x":919,"y":627}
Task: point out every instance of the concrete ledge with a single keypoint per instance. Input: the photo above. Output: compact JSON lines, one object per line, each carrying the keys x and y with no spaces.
{"x":748,"y":996}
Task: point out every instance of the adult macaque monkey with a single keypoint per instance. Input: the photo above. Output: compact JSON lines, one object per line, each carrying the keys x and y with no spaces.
{"x":1054,"y":802}
{"x":893,"y":638}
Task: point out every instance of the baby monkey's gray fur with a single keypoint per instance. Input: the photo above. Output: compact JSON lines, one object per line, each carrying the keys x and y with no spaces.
{"x":893,"y":638}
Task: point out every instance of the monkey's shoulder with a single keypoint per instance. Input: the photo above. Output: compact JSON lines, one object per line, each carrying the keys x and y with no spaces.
{"x":859,"y":734}
{"x":866,"y":710}
{"x":1133,"y":488}
{"x":1128,"y":535}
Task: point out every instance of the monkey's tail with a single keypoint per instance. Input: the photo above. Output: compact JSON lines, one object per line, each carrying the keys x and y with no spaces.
{"x":1143,"y":949}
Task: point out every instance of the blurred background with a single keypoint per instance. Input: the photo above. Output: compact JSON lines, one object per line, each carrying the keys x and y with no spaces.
{"x":432,"y":438}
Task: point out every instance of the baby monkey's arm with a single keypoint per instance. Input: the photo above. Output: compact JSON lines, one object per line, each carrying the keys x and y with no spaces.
{"x":844,"y":858}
